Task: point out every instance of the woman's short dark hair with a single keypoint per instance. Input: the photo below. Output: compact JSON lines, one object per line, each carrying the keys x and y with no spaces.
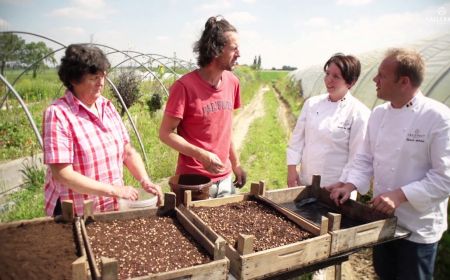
{"x":81,"y":59}
{"x":349,"y":65}
{"x":213,"y":40}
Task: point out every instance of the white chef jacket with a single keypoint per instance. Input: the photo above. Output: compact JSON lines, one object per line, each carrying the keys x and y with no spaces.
{"x":326,"y":137}
{"x":409,"y":148}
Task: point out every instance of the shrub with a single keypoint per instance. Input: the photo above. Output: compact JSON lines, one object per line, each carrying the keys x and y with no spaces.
{"x":128,"y":84}
{"x":154,"y":103}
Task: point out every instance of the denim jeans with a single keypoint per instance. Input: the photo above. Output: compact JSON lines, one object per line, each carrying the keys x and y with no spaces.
{"x":222,"y":188}
{"x":404,"y":260}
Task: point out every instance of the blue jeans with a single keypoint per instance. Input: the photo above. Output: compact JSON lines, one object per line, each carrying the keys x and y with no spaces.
{"x":222,"y":188}
{"x":404,"y":260}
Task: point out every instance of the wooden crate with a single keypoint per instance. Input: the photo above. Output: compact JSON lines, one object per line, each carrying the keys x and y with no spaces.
{"x":79,"y":267}
{"x":247,"y":264}
{"x":374,"y":226}
{"x":216,"y":269}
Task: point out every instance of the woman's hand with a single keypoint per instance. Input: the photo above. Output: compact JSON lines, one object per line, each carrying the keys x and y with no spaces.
{"x":125,"y":192}
{"x":152,"y":188}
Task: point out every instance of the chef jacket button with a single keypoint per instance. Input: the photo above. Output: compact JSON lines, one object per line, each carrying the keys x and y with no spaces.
{"x":392,"y":169}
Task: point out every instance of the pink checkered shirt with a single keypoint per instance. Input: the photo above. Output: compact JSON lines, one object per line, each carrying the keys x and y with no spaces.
{"x":94,"y":146}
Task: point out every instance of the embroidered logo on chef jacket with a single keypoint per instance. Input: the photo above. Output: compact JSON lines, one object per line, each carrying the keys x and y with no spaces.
{"x":415,"y":136}
{"x":347,"y":124}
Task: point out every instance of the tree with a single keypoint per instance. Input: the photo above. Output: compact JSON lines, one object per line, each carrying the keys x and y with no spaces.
{"x":128,"y":86}
{"x":34,"y":54}
{"x":11,"y":48}
{"x":258,"y":64}
{"x":255,"y":61}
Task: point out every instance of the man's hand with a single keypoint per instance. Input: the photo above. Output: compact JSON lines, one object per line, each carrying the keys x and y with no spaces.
{"x":211,"y":162}
{"x":388,"y":201}
{"x":293,"y":179}
{"x":340,"y":194}
{"x":334,"y":186}
{"x":241,"y":176}
{"x":152,"y":188}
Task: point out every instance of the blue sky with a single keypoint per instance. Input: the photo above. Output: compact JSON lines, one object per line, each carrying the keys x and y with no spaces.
{"x":284,"y":32}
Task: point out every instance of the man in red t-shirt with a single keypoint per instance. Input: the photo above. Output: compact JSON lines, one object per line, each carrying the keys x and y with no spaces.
{"x":200,"y":109}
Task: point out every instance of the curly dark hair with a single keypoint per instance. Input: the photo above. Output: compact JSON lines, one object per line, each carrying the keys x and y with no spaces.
{"x":213,"y":40}
{"x":81,"y":59}
{"x":349,"y":65}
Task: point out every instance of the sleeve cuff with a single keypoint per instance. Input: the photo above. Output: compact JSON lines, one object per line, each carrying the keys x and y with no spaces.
{"x":415,"y":195}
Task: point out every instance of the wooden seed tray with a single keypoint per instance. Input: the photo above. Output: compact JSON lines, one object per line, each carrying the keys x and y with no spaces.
{"x":216,"y":269}
{"x":247,"y":264}
{"x":351,"y":225}
{"x":45,"y":254}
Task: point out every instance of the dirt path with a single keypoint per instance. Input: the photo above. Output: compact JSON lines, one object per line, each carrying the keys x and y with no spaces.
{"x":283,"y":116}
{"x":243,"y":120}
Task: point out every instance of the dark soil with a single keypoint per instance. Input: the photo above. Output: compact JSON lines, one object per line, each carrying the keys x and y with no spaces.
{"x":270,"y":228}
{"x":37,"y":251}
{"x":145,"y":245}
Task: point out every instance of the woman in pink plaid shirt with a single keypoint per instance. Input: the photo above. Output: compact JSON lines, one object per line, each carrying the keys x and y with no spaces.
{"x":85,"y":140}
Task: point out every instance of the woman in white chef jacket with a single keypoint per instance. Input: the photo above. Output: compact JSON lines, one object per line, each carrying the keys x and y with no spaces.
{"x":330,"y":128}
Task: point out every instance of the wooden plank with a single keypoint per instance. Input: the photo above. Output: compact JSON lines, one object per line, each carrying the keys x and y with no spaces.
{"x":219,"y":248}
{"x":346,"y":239}
{"x":298,"y":220}
{"x":334,"y":221}
{"x":219,"y":201}
{"x":213,"y":270}
{"x":323,"y":225}
{"x":245,"y":243}
{"x":205,"y":229}
{"x":80,"y":268}
{"x":25,"y":222}
{"x":292,"y":256}
{"x":170,"y":201}
{"x":187,"y":197}
{"x":90,"y":255}
{"x":254,"y":189}
{"x":67,"y":210}
{"x":110,"y":269}
{"x":88,"y":209}
{"x":262,"y":188}
{"x":195,"y":233}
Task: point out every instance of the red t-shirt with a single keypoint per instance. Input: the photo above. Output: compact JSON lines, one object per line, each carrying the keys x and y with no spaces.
{"x":206,"y":118}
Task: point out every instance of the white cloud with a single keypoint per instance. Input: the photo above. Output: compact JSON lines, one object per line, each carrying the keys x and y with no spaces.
{"x":353,"y":2}
{"x":162,"y":38}
{"x":3,"y":24}
{"x":249,"y":1}
{"x":214,"y":6}
{"x":84,"y":9}
{"x":363,"y":34}
{"x":76,"y":31}
{"x":317,"y":22}
{"x":237,"y":18}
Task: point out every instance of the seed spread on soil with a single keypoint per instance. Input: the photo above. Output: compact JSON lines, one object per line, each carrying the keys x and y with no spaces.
{"x":145,"y":245}
{"x":270,"y":228}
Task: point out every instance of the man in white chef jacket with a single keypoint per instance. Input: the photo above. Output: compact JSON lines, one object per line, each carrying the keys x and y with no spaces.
{"x":407,"y":151}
